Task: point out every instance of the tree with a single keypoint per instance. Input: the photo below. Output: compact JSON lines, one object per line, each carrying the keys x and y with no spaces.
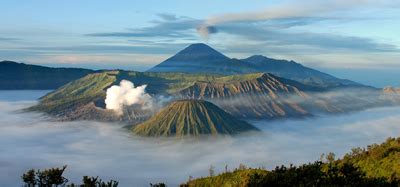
{"x":29,"y":178}
{"x":158,"y":185}
{"x":53,"y":178}
{"x":46,"y":178}
{"x":330,"y":157}
{"x":211,"y":171}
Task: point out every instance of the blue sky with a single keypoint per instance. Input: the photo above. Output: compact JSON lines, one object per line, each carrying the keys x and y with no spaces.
{"x":348,"y":38}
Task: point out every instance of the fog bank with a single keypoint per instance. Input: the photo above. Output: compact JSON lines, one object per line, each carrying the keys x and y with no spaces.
{"x":29,"y":140}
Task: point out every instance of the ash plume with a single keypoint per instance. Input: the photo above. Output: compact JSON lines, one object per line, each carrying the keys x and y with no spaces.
{"x":291,"y":9}
{"x":205,"y":30}
{"x":126,"y":94}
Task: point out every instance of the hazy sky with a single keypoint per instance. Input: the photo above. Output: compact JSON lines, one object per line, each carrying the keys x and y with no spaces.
{"x":351,"y":35}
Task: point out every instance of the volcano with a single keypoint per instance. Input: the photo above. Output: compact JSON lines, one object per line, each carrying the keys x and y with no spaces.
{"x":191,"y":118}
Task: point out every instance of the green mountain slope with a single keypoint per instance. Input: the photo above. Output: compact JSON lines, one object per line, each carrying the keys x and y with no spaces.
{"x":19,"y":76}
{"x":191,"y":118}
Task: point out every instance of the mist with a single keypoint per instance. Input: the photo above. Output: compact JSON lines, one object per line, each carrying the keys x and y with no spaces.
{"x":31,"y":140}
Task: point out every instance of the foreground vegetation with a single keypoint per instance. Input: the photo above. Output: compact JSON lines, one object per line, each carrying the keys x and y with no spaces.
{"x":54,"y":177}
{"x":376,"y":165}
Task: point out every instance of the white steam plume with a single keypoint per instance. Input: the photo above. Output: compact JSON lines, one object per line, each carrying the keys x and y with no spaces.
{"x":127,"y":94}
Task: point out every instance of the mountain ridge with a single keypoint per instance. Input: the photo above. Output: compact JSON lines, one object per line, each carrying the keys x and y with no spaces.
{"x":253,"y":64}
{"x":21,"y":76}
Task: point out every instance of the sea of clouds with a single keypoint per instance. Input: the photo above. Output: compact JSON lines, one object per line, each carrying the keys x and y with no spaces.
{"x":31,"y":140}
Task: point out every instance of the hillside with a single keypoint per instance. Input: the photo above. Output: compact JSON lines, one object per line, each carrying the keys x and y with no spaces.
{"x":84,"y":98}
{"x":20,"y":76}
{"x":191,"y":118}
{"x":295,"y":71}
{"x":201,"y":58}
{"x":391,"y":90}
{"x":258,"y":95}
{"x":247,"y":96}
{"x":379,"y":160}
{"x":376,"y":165}
{"x":264,"y":95}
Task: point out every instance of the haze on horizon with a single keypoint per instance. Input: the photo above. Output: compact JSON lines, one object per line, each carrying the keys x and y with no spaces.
{"x":353,"y":39}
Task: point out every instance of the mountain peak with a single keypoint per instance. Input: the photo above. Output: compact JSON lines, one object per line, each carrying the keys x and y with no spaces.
{"x":191,"y":118}
{"x":186,"y":60}
{"x":200,"y":50}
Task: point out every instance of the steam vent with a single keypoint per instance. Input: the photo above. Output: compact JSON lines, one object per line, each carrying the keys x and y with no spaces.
{"x":191,"y":118}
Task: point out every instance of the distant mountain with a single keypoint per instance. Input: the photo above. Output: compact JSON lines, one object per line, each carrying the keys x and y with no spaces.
{"x":201,"y":58}
{"x":20,"y":76}
{"x":191,"y":118}
{"x":295,"y":71}
{"x":391,"y":90}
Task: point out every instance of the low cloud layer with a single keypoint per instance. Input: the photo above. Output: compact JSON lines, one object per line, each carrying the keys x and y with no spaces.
{"x":29,"y":140}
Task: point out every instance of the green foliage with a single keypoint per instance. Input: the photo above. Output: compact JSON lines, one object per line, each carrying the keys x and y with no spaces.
{"x":312,"y":174}
{"x":46,"y":178}
{"x":53,"y":177}
{"x":158,"y":185}
{"x":378,"y":165}
{"x":377,"y":160}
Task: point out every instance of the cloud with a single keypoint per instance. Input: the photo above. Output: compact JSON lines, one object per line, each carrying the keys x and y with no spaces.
{"x":5,"y":39}
{"x":271,"y":37}
{"x":267,"y":29}
{"x":291,"y":9}
{"x":111,"y":152}
{"x":204,"y":31}
{"x":170,"y":26}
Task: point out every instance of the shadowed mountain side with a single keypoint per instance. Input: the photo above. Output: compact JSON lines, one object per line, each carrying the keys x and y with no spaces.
{"x":20,"y":76}
{"x":295,"y":71}
{"x":191,"y":118}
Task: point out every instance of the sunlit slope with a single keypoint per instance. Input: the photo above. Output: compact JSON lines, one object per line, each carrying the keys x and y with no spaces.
{"x":377,"y":165}
{"x":76,"y":93}
{"x":258,"y":95}
{"x":191,"y":118}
